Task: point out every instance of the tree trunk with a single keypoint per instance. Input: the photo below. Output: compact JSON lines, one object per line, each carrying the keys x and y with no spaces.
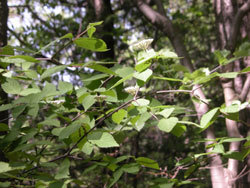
{"x":3,"y":42}
{"x":229,"y":18}
{"x":4,"y":11}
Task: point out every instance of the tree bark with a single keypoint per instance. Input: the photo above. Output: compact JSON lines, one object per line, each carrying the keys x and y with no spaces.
{"x":229,"y":18}
{"x":165,"y":25}
{"x":4,"y":11}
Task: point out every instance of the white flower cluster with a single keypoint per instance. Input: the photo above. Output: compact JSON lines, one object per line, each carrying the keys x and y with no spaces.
{"x":100,"y":98}
{"x":55,"y":102}
{"x":141,"y":45}
{"x":132,"y":90}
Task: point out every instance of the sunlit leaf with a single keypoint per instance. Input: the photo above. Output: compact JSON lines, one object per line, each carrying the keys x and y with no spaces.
{"x":93,"y":44}
{"x":147,"y":162}
{"x":167,"y":125}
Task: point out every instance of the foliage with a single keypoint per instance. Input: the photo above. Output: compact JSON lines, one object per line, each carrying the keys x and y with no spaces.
{"x":60,"y":133}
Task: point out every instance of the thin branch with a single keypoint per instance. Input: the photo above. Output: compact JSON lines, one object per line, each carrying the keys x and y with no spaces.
{"x":245,"y":89}
{"x":34,"y":14}
{"x":18,"y":6}
{"x":236,"y":24}
{"x":174,"y":91}
{"x":106,"y":81}
{"x":69,"y":42}
{"x":2,"y":120}
{"x":18,"y":37}
{"x":160,"y":7}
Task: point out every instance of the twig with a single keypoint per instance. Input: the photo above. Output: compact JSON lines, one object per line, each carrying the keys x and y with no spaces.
{"x":69,"y":42}
{"x":174,"y":91}
{"x":236,"y":24}
{"x":241,"y":174}
{"x":105,"y":81}
{"x":245,"y":89}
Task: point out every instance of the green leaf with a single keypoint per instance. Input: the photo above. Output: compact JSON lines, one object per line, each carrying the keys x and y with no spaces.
{"x":67,"y":36}
{"x":184,"y":161}
{"x":87,"y":148}
{"x":95,"y":77}
{"x":165,"y":54}
{"x":147,"y":162}
{"x":102,"y":139}
{"x":168,"y":79}
{"x":140,"y":120}
{"x":4,"y":167}
{"x":25,"y":57}
{"x":233,"y":108}
{"x":121,"y":81}
{"x":142,"y":66}
{"x":31,"y":74}
{"x":50,"y":71}
{"x":116,"y":176}
{"x":178,"y":130}
{"x":12,"y":86}
{"x":144,"y":76}
{"x":63,"y":171}
{"x":208,"y":118}
{"x":57,"y":131}
{"x":27,"y":50}
{"x":101,"y":68}
{"x":65,"y":87}
{"x":67,"y":131}
{"x":244,"y":50}
{"x":91,"y":28}
{"x":189,"y":123}
{"x":50,"y":122}
{"x":49,"y":90}
{"x":111,"y":95}
{"x":124,"y":71}
{"x":190,"y":170}
{"x":231,"y":140}
{"x":167,"y":125}
{"x":95,"y":23}
{"x":88,"y":101}
{"x":33,"y":110}
{"x":117,"y":117}
{"x":221,"y":56}
{"x":237,"y":155}
{"x":29,"y":91}
{"x":228,"y":75}
{"x":245,"y":70}
{"x":218,"y":148}
{"x":3,"y":127}
{"x":7,"y":50}
{"x":5,"y":184}
{"x":18,"y":110}
{"x":6,"y":107}
{"x":91,"y":31}
{"x":166,"y":112}
{"x":141,"y":102}
{"x":131,"y":168}
{"x":93,"y":44}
